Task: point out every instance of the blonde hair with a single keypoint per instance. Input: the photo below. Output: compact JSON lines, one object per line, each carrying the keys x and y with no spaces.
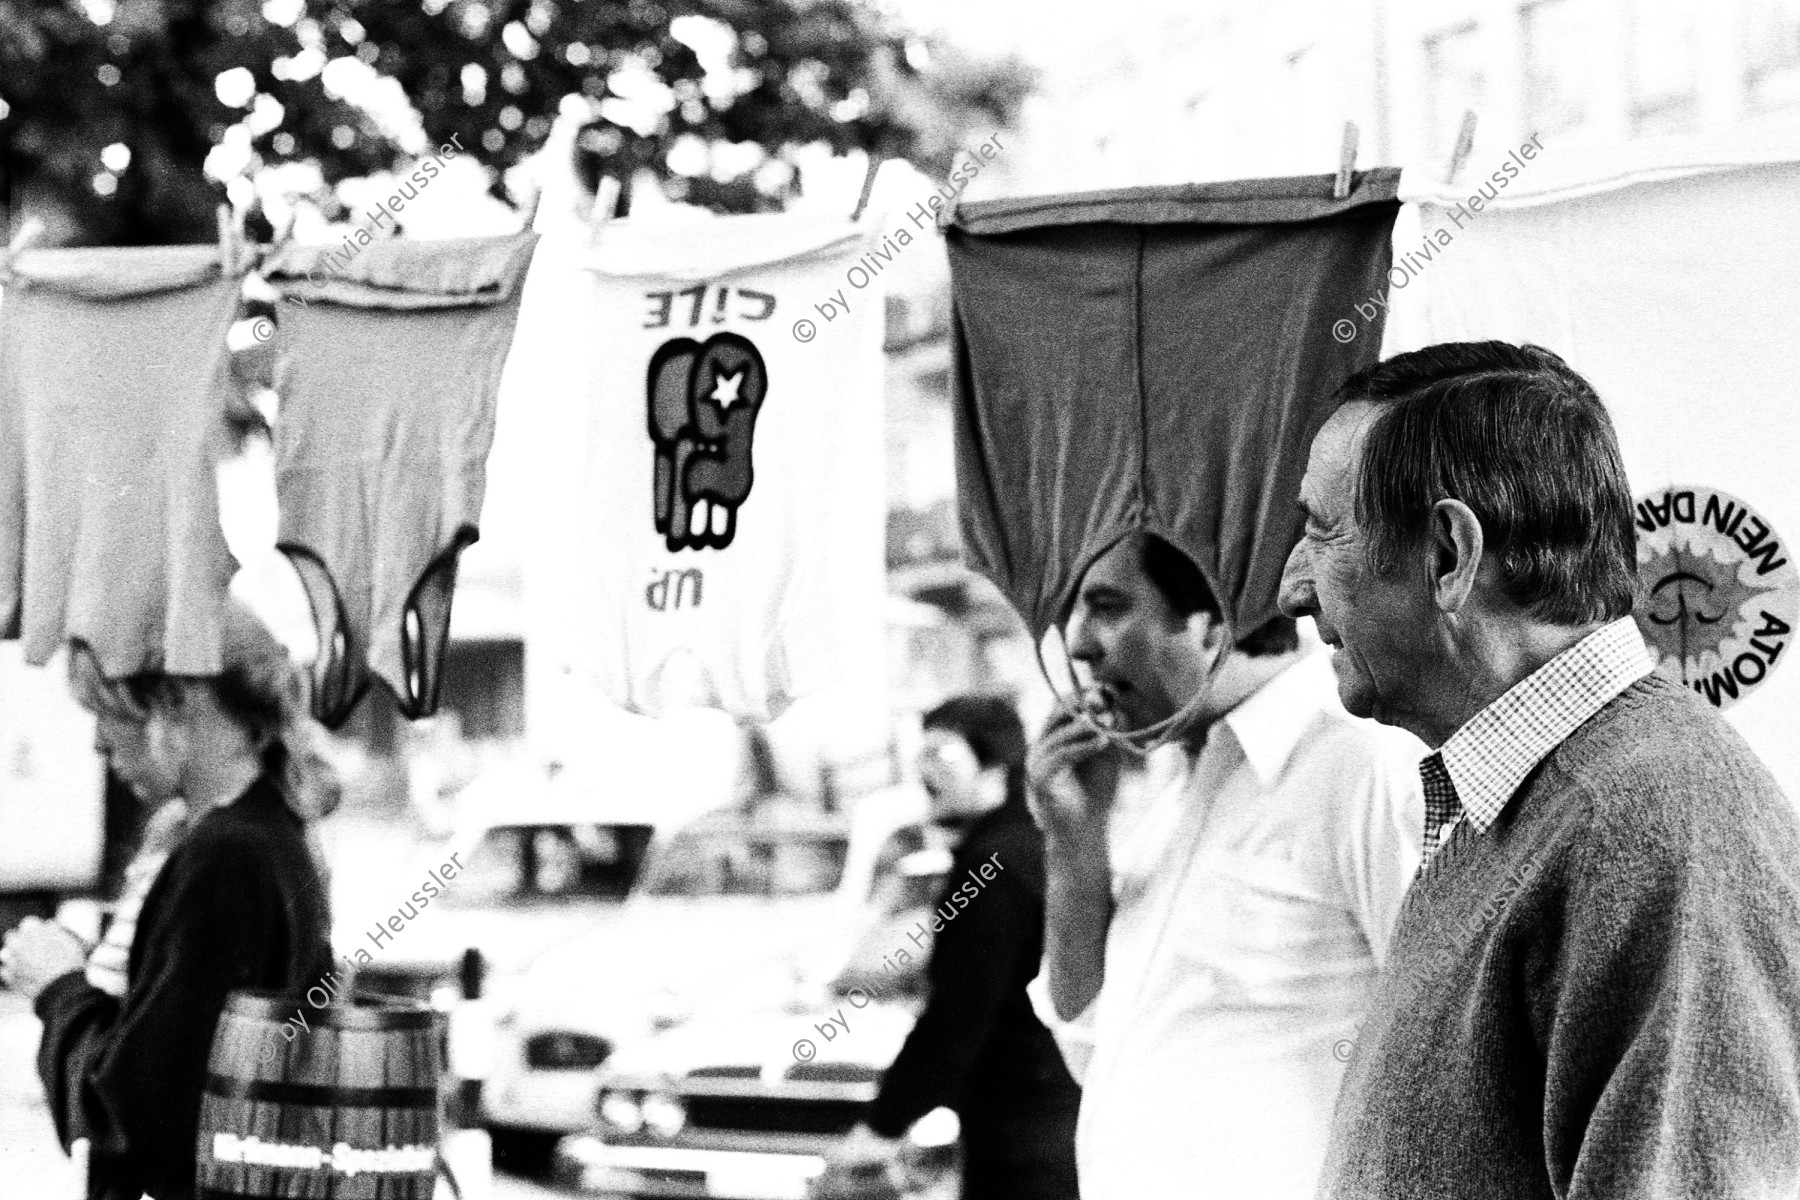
{"x":258,"y":685}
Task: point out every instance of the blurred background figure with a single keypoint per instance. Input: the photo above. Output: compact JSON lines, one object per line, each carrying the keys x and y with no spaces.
{"x":238,"y":902}
{"x":979,"y":1048}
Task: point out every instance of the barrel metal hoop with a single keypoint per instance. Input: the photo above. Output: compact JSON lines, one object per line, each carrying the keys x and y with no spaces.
{"x":383,"y":1012}
{"x":316,"y":1096}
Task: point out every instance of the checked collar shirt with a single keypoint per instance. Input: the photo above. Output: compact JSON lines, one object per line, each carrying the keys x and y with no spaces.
{"x":1472,"y":776}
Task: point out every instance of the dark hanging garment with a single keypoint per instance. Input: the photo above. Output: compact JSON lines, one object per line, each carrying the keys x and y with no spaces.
{"x":1156,"y":359}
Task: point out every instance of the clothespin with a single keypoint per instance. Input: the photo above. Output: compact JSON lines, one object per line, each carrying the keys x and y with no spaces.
{"x":1465,"y":142}
{"x":227,"y":241}
{"x":240,"y":237}
{"x":29,"y":231}
{"x":285,"y":234}
{"x":606,"y":205}
{"x":1346,"y":162}
{"x":947,"y":215}
{"x":868,"y":186}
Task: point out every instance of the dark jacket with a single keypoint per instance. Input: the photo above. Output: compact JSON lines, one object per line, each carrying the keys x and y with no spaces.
{"x":238,"y":904}
{"x":979,"y":1048}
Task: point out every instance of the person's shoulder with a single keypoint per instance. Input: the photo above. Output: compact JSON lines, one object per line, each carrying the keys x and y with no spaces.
{"x":251,"y":829}
{"x":1013,"y":841}
{"x":1658,"y":746}
{"x":1014,"y":833}
{"x":1660,"y":774}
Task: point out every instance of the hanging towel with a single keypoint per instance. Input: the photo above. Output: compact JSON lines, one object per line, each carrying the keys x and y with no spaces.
{"x":724,"y":543}
{"x":393,"y":357}
{"x":1676,"y":293}
{"x":114,"y":382}
{"x":1155,"y":359}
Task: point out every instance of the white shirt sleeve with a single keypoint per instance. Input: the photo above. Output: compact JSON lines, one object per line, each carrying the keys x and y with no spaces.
{"x":1385,"y":811}
{"x":1075,"y":1038}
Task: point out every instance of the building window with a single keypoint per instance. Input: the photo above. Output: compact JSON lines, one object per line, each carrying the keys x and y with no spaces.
{"x":1662,"y":39}
{"x":1455,"y":83}
{"x":1558,"y":49}
{"x":1772,"y":54}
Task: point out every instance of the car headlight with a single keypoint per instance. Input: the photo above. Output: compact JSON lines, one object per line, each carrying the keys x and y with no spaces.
{"x":622,"y":1111}
{"x":939,"y":1127}
{"x":664,"y":1114}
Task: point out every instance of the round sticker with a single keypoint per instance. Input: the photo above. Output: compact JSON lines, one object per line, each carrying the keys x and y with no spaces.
{"x":1721,"y":594}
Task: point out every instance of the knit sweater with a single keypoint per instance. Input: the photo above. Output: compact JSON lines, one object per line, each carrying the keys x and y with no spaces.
{"x":1599,"y":997}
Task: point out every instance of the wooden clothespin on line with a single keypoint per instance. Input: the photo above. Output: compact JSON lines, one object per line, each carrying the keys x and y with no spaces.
{"x":232,"y":258}
{"x":285,"y":234}
{"x":1346,"y":171}
{"x":29,"y":231}
{"x":868,"y":187}
{"x":1465,"y":142}
{"x":947,"y":215}
{"x":606,"y":206}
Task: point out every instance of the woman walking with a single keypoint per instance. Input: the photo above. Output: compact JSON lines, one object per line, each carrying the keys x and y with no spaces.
{"x":238,"y":902}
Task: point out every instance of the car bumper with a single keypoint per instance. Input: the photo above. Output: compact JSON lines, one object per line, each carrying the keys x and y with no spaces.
{"x":593,"y":1167}
{"x":550,"y":1101}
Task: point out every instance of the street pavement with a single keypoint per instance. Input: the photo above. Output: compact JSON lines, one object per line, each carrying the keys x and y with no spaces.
{"x":33,"y":1166}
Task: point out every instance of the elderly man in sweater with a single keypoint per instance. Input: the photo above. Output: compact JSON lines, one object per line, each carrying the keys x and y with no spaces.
{"x":1594,"y":985}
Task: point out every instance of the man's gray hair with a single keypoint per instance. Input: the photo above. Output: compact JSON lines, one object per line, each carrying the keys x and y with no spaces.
{"x":1523,"y":440}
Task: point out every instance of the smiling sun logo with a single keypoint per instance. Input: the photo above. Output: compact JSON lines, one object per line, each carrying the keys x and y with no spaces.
{"x":1720,"y":596}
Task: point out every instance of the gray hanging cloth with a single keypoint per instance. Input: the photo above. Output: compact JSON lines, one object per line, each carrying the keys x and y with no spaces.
{"x":394,"y":353}
{"x":114,"y":389}
{"x":1155,"y":359}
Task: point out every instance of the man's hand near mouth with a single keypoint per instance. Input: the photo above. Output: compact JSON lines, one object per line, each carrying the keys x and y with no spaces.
{"x":1074,"y":777}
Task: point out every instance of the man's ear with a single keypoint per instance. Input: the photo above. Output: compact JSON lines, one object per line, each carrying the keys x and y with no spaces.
{"x":1209,"y":629}
{"x":1455,"y":545}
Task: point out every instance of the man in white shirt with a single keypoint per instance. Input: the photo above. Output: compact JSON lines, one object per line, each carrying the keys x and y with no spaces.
{"x":1224,"y":935}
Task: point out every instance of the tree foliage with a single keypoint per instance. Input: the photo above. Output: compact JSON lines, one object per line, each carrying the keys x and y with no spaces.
{"x":711,"y":97}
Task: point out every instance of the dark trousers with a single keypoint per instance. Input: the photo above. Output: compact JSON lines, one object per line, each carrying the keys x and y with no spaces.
{"x":986,"y":1178}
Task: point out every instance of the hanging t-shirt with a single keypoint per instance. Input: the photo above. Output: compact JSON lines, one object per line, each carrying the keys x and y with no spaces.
{"x":1154,"y":359}
{"x":724,"y":544}
{"x":114,"y":383}
{"x":393,"y":360}
{"x":1676,"y":293}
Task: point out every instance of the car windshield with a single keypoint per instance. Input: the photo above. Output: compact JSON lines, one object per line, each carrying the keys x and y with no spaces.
{"x":747,"y":861}
{"x":514,"y":863}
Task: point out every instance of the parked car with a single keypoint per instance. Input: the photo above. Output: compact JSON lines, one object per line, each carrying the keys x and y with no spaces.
{"x":759,"y":908}
{"x":745,"y":1101}
{"x":542,"y":857}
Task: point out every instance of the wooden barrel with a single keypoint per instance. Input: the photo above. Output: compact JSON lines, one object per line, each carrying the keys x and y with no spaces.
{"x":344,"y":1109}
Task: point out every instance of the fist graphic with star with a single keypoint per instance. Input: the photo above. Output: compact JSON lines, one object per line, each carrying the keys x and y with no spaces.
{"x":703,"y":401}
